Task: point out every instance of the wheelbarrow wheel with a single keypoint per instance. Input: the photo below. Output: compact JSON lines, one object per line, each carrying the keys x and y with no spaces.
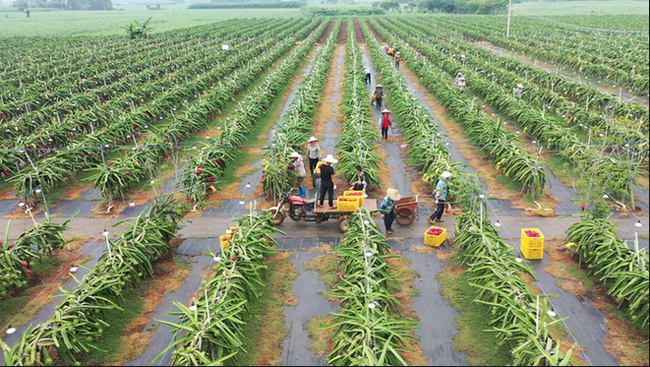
{"x":277,"y":218}
{"x":405,"y":216}
{"x":343,"y":222}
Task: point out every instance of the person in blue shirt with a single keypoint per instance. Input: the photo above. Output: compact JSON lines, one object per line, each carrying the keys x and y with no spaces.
{"x":441,"y":192}
{"x":388,"y":205}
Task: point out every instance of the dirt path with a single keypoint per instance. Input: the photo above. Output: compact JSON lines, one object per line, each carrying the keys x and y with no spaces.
{"x":305,"y":288}
{"x":627,"y":96}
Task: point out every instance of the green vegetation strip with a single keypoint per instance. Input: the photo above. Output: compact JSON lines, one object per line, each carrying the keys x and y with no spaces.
{"x":358,"y":133}
{"x":211,"y":332}
{"x":79,"y":319}
{"x":32,"y":247}
{"x":296,"y":124}
{"x":203,"y":171}
{"x":624,"y":272}
{"x":518,"y":317}
{"x":369,"y":329}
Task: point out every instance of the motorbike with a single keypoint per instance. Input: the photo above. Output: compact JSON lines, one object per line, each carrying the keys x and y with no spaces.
{"x":301,"y":210}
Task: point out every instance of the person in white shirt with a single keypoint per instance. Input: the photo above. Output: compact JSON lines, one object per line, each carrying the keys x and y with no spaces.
{"x":299,"y":166}
{"x":313,"y":153}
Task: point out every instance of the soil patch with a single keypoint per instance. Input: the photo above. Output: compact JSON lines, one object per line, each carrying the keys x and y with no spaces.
{"x":361,"y":40}
{"x":4,"y":194}
{"x":374,"y":32}
{"x":385,"y":178}
{"x":169,"y":275}
{"x":73,"y":191}
{"x":343,"y":33}
{"x":326,"y":33}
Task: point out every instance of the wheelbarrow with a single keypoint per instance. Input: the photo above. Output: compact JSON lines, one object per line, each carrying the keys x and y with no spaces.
{"x":407,"y":210}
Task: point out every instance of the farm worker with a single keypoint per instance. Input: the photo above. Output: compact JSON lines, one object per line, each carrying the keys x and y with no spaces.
{"x":398,"y":58}
{"x":463,"y":60}
{"x":366,"y":71}
{"x":299,"y":167}
{"x":440,"y":193}
{"x":388,"y":206}
{"x":461,"y":84}
{"x":379,"y":94}
{"x":384,"y":122}
{"x":395,"y":50}
{"x":418,"y":53}
{"x":457,"y":79}
{"x":518,"y":90}
{"x":386,"y":48}
{"x":313,"y":153}
{"x":360,"y":184}
{"x":327,"y":181}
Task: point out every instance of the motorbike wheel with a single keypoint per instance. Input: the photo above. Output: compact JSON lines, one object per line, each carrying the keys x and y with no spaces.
{"x":277,"y":218}
{"x":343,"y":222}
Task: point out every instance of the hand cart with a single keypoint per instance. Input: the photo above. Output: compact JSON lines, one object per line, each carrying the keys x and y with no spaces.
{"x":407,"y":210}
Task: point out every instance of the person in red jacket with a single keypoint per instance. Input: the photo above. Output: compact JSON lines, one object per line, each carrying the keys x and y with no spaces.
{"x":385,"y":122}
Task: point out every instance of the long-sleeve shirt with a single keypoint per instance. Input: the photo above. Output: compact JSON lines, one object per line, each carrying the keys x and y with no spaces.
{"x":379,"y":93}
{"x":388,"y":203}
{"x":313,"y":152}
{"x":300,"y":167}
{"x":442,"y":188}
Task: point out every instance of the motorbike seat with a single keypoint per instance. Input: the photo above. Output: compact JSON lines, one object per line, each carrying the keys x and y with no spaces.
{"x":310,"y":201}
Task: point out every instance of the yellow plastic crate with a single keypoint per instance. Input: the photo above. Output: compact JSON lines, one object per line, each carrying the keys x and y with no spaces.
{"x":532,"y":253}
{"x":349,"y":203}
{"x":532,"y":242}
{"x":355,"y":193}
{"x":435,"y":241}
{"x":223,"y":241}
{"x":318,"y":166}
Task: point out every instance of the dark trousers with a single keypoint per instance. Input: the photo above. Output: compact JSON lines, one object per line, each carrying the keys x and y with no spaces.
{"x":378,"y":104}
{"x":439,"y":210}
{"x":368,"y":79}
{"x":388,"y":220}
{"x":326,"y":188}
{"x":312,"y":164}
{"x":384,"y":133}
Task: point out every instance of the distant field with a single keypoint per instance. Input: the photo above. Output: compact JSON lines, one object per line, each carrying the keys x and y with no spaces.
{"x":47,"y":22}
{"x":581,"y":7}
{"x":93,"y":23}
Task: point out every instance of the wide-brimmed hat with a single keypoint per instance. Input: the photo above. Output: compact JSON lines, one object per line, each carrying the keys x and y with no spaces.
{"x":311,"y":139}
{"x":385,"y":111}
{"x":379,"y":86}
{"x":330,"y":159}
{"x":294,"y":155}
{"x":393,"y":194}
{"x":461,"y":78}
{"x":446,"y":174}
{"x":520,"y":85}
{"x":463,"y":56}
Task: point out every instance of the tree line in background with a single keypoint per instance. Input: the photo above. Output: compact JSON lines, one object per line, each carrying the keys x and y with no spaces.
{"x":447,"y":6}
{"x":22,"y":5}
